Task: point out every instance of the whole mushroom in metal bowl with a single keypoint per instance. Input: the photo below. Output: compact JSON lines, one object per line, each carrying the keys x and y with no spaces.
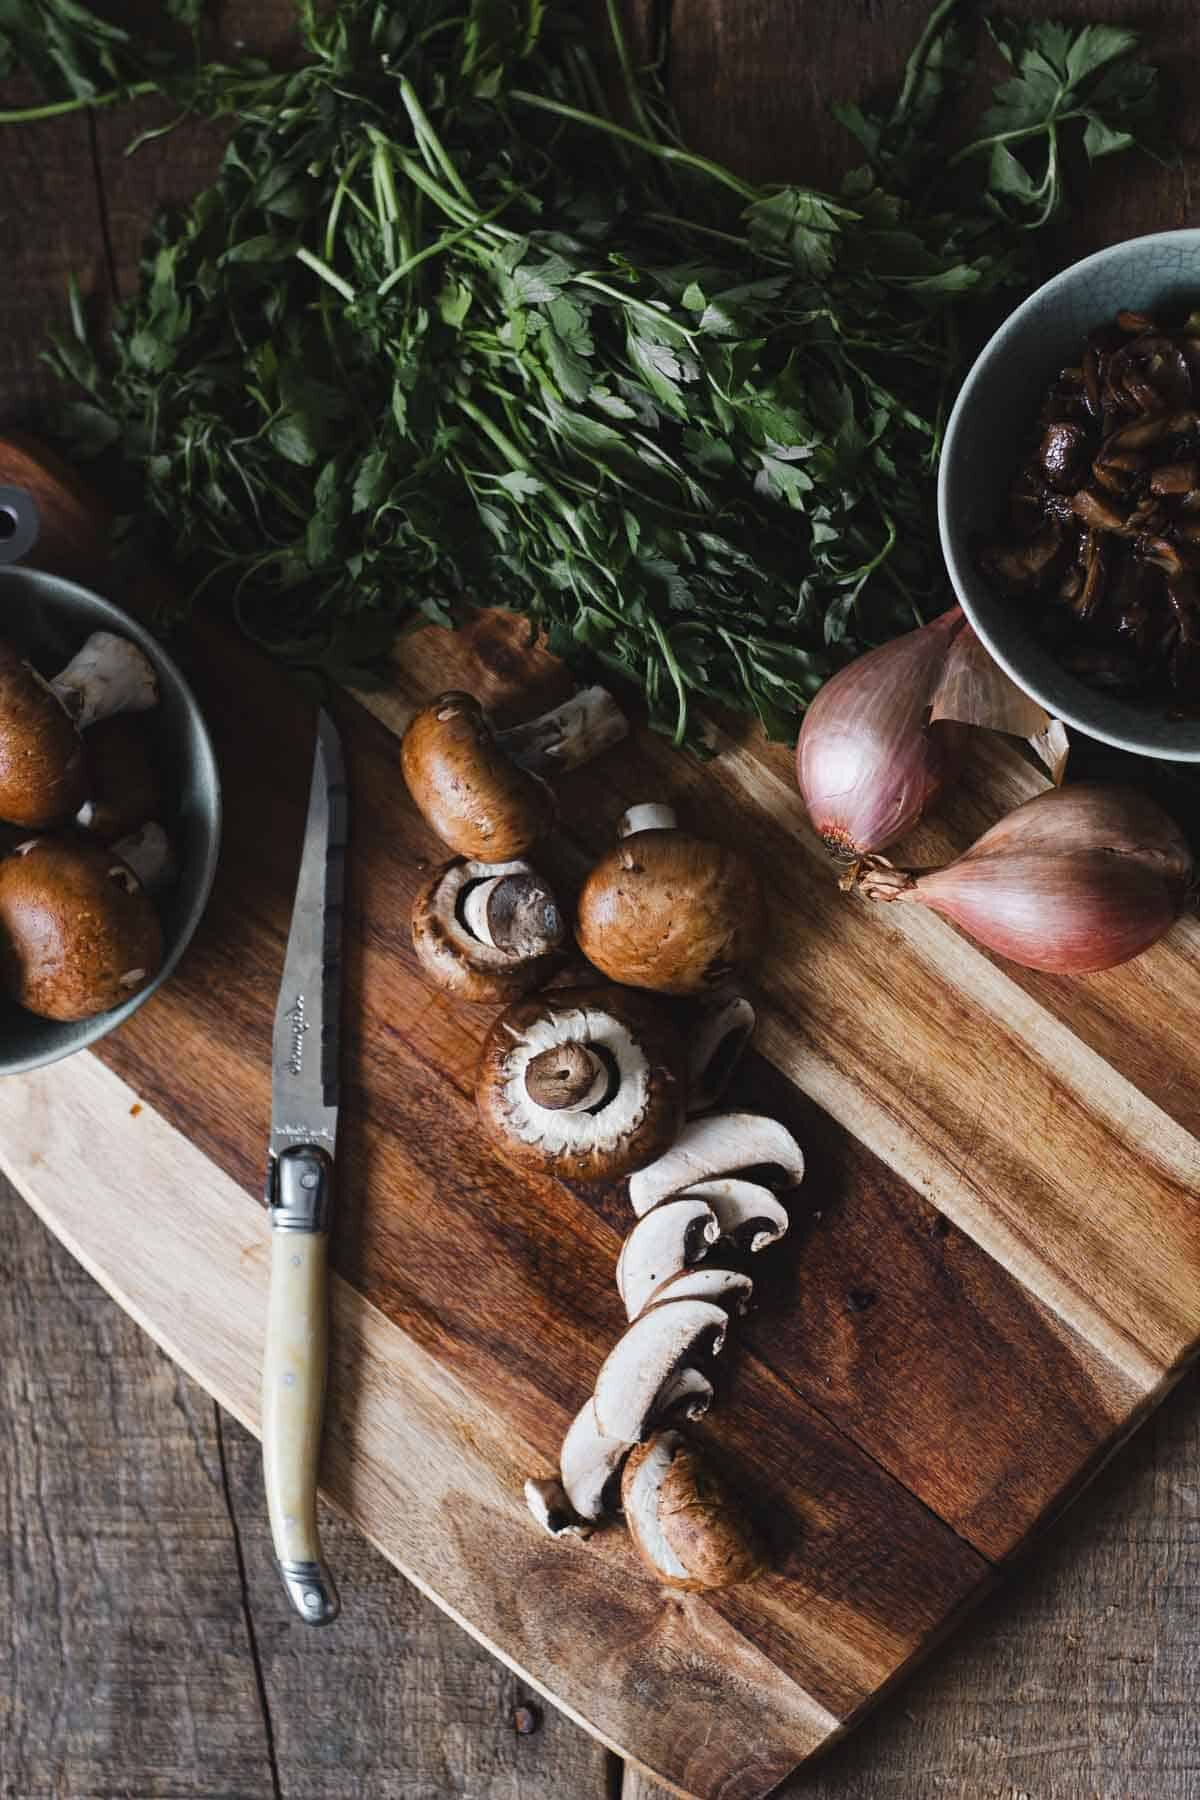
{"x":584,"y":1083}
{"x":686,"y":1525}
{"x":668,"y":911}
{"x":486,"y":931}
{"x":78,"y":934}
{"x":484,"y":791}
{"x":43,"y":768}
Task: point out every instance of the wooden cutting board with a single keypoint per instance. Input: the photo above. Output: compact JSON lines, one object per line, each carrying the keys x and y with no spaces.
{"x":992,"y":1274}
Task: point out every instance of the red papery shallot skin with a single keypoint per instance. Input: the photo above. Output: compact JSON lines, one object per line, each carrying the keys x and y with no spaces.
{"x":868,"y":761}
{"x":1074,"y":881}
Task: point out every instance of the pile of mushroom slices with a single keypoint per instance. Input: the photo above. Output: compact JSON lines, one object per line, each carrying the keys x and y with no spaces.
{"x":79,"y":931}
{"x":595,"y":1083}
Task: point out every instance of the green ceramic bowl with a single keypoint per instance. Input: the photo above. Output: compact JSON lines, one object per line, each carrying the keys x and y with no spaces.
{"x":49,"y":619}
{"x":984,"y":436}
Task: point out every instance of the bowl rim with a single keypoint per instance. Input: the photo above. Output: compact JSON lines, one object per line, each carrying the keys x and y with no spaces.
{"x":997,"y":344}
{"x":209,"y":774}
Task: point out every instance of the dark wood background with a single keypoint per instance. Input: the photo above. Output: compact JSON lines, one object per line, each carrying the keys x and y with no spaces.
{"x":148,"y":1650}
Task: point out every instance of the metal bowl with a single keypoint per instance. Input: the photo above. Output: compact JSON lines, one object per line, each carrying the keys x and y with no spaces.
{"x":49,"y":619}
{"x":984,"y":437}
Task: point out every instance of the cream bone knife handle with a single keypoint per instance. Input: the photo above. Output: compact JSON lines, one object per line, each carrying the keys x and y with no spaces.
{"x":300,"y":1192}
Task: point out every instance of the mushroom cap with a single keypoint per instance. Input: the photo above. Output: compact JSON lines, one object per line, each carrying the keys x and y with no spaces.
{"x":671,"y":912}
{"x":123,"y":786}
{"x":43,"y":777}
{"x":451,"y":957}
{"x":77,"y":934}
{"x":683,"y":1520}
{"x":632,"y":1126}
{"x":478,"y":801}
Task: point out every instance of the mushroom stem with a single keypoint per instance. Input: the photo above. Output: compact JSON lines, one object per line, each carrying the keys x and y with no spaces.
{"x":108,"y":675}
{"x":568,"y":1077}
{"x":648,"y":816}
{"x":149,"y":854}
{"x":516,"y":913}
{"x":567,"y":736}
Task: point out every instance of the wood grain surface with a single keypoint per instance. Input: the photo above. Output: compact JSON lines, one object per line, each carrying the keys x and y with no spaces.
{"x":1117,"y":1347}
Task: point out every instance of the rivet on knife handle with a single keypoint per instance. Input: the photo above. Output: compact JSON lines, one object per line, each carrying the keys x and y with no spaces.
{"x":294,"y":1373}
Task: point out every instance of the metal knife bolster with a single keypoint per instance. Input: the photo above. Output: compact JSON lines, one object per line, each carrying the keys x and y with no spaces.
{"x":300,"y":1188}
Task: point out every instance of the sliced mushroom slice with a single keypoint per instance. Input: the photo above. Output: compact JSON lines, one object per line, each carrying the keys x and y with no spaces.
{"x":720,"y":1144}
{"x":687,"y":1395}
{"x":684,"y":1522}
{"x":583,"y":1083}
{"x":716,"y":1046}
{"x":588,"y":1461}
{"x":750,"y":1215}
{"x":547,"y":1500}
{"x":730,"y":1288}
{"x":641,"y":1362}
{"x":486,"y":931}
{"x":667,"y":1241}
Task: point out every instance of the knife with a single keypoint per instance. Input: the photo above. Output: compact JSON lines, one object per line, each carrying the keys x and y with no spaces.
{"x":304,"y":1115}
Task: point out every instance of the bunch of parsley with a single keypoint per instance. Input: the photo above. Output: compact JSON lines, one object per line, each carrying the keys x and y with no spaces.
{"x":445,"y":332}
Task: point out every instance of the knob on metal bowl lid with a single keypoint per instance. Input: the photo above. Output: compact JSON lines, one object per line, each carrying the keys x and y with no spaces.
{"x":18,"y":524}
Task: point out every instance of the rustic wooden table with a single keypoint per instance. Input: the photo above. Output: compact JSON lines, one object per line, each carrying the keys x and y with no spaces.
{"x":148,"y":1649}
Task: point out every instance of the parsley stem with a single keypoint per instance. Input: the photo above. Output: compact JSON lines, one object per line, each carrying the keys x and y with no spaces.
{"x":314,"y":262}
{"x":439,"y":248}
{"x":28,"y":115}
{"x":1017,"y":136}
{"x":664,"y":152}
{"x":673,"y":669}
{"x":429,"y":141}
{"x":633,"y":87}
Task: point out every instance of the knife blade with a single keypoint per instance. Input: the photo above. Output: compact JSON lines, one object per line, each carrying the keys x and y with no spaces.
{"x":300,"y":1170}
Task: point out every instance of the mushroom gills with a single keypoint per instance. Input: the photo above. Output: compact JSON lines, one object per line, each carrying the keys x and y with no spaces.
{"x":614,"y":1099}
{"x":718,"y":1145}
{"x":486,"y":931}
{"x":749,"y":1215}
{"x":668,"y":1240}
{"x":642,"y":1361}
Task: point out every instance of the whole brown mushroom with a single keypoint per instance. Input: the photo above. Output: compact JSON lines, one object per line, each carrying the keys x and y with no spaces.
{"x":77,"y":933}
{"x":583,"y":1083}
{"x":668,"y":911}
{"x":486,"y":931}
{"x":483,"y":791}
{"x":687,"y":1528}
{"x":43,"y":775}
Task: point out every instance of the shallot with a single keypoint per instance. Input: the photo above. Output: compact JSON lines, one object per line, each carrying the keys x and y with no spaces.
{"x":881,"y":740}
{"x":1078,"y":879}
{"x":869,"y":760}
